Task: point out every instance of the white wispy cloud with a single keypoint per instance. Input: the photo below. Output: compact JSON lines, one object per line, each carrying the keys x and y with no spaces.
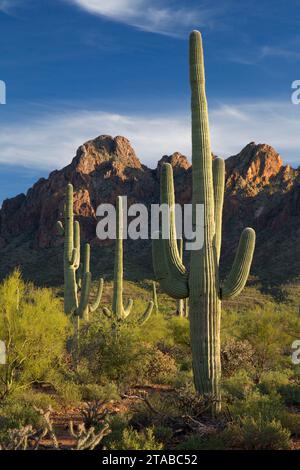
{"x":158,"y":16}
{"x":5,"y":5}
{"x":51,"y":141}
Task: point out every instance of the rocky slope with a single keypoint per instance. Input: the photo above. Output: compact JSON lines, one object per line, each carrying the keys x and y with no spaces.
{"x":260,"y":192}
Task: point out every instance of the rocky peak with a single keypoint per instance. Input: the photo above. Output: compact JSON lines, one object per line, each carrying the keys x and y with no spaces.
{"x":114,"y":152}
{"x":253,"y":168}
{"x":178,"y":161}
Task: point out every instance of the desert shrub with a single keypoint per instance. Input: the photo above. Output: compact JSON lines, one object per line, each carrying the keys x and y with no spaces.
{"x":69,"y":393}
{"x":114,"y":352}
{"x":290,"y":393}
{"x":273,"y":381}
{"x":179,"y":332}
{"x":235,"y":354}
{"x":247,"y":434}
{"x":101,"y":393}
{"x":35,"y":330}
{"x":162,"y":410}
{"x":196,"y":442}
{"x":155,"y":330}
{"x":117,"y":424}
{"x":14,"y":415}
{"x":163,"y":434}
{"x":137,"y":440}
{"x":256,"y":405}
{"x":33,"y":398}
{"x":239,"y":385}
{"x":161,"y":368}
{"x":257,"y":434}
{"x":291,"y":421}
{"x":182,"y":379}
{"x":269,"y":330}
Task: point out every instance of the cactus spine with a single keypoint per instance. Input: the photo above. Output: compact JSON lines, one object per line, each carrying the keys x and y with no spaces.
{"x":71,"y":232}
{"x":201,"y":284}
{"x":119,"y":312}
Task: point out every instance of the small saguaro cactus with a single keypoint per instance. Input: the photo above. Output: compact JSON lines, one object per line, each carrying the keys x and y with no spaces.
{"x":71,"y":232}
{"x":119,"y":312}
{"x":201,"y":283}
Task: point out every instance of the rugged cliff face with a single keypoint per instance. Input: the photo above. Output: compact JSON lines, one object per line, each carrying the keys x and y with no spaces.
{"x":260,"y":192}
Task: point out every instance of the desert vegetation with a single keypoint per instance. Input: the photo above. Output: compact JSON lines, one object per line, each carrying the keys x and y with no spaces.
{"x":137,"y":366}
{"x":130,"y":386}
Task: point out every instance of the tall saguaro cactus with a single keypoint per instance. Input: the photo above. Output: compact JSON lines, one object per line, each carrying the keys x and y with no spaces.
{"x":71,"y":232}
{"x":201,"y":284}
{"x":120,"y":312}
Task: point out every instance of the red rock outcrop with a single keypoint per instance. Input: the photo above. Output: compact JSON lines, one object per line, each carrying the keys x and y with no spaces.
{"x":260,"y":192}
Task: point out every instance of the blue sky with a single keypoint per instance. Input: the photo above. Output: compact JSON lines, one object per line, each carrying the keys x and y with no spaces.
{"x":75,"y":69}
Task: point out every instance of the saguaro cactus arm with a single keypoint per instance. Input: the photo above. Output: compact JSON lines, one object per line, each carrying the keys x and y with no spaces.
{"x":77,"y":244}
{"x":145,"y":317}
{"x":85,"y":294}
{"x":219,"y":184}
{"x":60,"y":228}
{"x":237,"y":278}
{"x":154,"y":297}
{"x":127,"y":309}
{"x":96,"y":303}
{"x":84,"y":306}
{"x":168,"y":266}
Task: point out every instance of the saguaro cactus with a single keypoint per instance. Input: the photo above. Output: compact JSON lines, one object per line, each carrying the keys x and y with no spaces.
{"x":71,"y":232}
{"x":201,"y":284}
{"x":120,"y":312}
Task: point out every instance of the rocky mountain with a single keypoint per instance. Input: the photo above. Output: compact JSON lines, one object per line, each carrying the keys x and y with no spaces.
{"x":260,"y":192}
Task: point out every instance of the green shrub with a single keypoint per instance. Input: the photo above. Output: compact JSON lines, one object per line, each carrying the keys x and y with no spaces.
{"x":267,"y":329}
{"x":114,"y":352}
{"x":291,"y":421}
{"x":196,"y":442}
{"x":239,"y":385}
{"x":272,"y":381}
{"x":258,"y":434}
{"x":179,"y":331}
{"x":290,"y":393}
{"x":117,"y":424}
{"x":35,"y":330}
{"x":15,"y":415}
{"x":163,"y":434}
{"x":69,"y":393}
{"x":137,"y":440}
{"x":101,"y":393}
{"x":258,"y":406}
